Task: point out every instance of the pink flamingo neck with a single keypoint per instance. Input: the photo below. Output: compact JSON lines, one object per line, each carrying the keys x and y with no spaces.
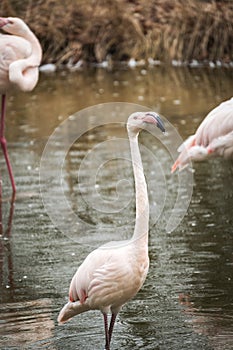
{"x":24,"y":72}
{"x":142,"y":204}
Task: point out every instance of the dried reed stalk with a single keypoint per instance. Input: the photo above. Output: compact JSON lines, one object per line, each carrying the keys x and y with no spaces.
{"x":70,"y":30}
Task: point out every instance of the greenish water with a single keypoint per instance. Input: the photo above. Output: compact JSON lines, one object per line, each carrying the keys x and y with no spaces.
{"x":186,"y":301}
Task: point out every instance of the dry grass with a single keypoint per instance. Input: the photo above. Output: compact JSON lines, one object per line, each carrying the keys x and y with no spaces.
{"x":70,"y":30}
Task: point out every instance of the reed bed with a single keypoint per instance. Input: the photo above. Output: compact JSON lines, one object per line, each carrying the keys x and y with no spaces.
{"x":117,"y":30}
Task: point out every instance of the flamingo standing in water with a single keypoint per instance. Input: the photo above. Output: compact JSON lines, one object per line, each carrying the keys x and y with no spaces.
{"x":213,"y":137}
{"x":114,"y":273}
{"x":20,"y":57}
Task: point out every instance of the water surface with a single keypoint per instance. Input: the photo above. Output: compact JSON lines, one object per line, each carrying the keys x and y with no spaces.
{"x":186,"y":301}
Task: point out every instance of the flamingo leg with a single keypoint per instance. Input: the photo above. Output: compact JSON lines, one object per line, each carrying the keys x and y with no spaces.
{"x":11,"y":215}
{"x":1,"y":226}
{"x":113,"y":319}
{"x":107,"y":342}
{"x":4,"y":143}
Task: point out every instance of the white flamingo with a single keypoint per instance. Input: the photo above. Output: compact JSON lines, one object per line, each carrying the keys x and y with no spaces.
{"x":214,"y":137}
{"x":112,"y":274}
{"x":20,"y":56}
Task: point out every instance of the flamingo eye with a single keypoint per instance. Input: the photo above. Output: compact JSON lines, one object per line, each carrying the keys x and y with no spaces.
{"x":135,"y":117}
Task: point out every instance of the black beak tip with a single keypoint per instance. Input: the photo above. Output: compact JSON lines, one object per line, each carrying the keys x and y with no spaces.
{"x":159,"y":121}
{"x":160,"y":124}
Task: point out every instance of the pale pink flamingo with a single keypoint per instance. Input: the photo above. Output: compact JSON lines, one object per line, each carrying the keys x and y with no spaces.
{"x":214,"y":137}
{"x":20,"y":57}
{"x":112,"y":274}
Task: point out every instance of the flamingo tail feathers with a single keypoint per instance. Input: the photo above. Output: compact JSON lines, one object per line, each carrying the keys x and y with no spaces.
{"x":70,"y":310}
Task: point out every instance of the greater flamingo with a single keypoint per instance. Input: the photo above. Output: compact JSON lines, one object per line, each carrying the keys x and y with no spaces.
{"x":112,"y":274}
{"x":214,"y":137}
{"x":20,"y":57}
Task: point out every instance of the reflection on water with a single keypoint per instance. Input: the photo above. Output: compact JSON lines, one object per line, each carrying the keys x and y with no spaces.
{"x":186,"y":302}
{"x":25,"y":321}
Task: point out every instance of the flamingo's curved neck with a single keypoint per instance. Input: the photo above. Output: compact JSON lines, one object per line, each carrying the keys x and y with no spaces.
{"x":142,"y":203}
{"x":24,"y":72}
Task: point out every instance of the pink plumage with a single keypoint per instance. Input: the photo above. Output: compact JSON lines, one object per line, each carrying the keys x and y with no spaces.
{"x":20,"y":57}
{"x":113,"y":274}
{"x":214,"y":137}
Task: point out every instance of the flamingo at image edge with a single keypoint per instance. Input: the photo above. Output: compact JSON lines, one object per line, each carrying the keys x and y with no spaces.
{"x":214,"y":137}
{"x":114,"y":273}
{"x":20,"y":57}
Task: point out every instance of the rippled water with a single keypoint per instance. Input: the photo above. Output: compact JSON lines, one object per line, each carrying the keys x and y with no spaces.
{"x":186,"y":301}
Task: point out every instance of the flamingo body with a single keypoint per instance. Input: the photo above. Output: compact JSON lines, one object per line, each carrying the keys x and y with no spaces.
{"x":113,"y":274}
{"x":20,"y":57}
{"x":12,"y":48}
{"x":106,"y":280}
{"x":214,"y":137}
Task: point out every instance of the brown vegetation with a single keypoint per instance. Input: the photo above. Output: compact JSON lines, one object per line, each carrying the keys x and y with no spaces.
{"x":70,"y":30}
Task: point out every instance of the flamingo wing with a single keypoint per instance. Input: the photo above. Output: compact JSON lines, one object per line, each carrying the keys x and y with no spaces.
{"x":218,"y":122}
{"x":102,"y":283}
{"x":12,"y":48}
{"x":108,"y":278}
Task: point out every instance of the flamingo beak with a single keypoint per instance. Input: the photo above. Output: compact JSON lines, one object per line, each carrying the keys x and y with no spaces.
{"x":175,"y":166}
{"x":3,"y":22}
{"x":153,"y":118}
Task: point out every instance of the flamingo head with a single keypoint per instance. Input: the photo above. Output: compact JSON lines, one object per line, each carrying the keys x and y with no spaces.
{"x":139,"y":120}
{"x":195,"y":153}
{"x":13,"y":25}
